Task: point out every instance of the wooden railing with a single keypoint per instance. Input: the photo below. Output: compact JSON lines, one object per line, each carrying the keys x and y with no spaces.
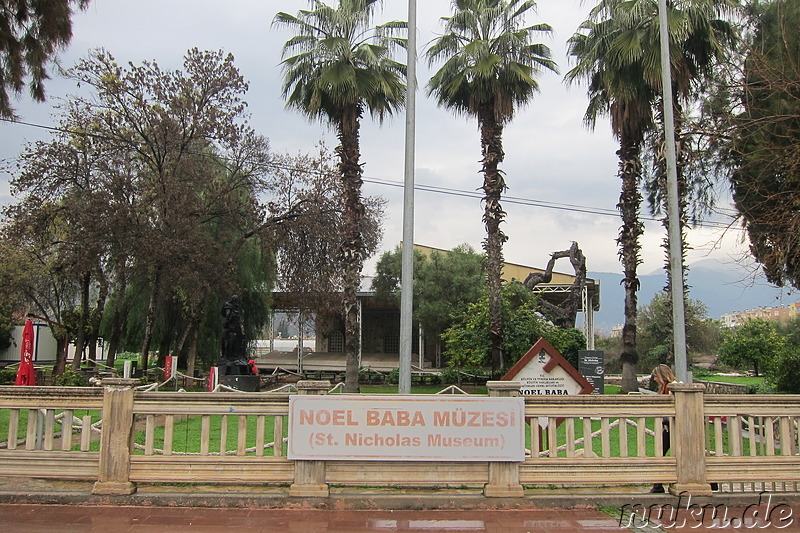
{"x":49,"y":431}
{"x":753,"y":444}
{"x":598,"y":440}
{"x":241,"y":437}
{"x":742,"y":442}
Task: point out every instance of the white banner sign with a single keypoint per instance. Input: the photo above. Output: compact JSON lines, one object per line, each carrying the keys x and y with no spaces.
{"x":418,"y":428}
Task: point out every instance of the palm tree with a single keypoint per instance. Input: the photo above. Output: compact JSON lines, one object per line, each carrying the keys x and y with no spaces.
{"x":615,"y":89}
{"x":490,"y":67}
{"x":335,"y":67}
{"x":699,"y":38}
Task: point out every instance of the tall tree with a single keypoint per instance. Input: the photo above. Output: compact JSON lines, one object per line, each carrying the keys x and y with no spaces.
{"x":31,"y":33}
{"x":65,"y":184}
{"x":489,"y":71}
{"x":600,"y":50}
{"x":336,"y":67}
{"x":700,"y":37}
{"x":655,"y":330}
{"x":757,"y":344}
{"x":764,"y":144}
{"x":195,"y":165}
{"x":307,"y":246}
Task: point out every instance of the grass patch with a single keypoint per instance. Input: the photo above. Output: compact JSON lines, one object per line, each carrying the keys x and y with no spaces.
{"x":24,"y":414}
{"x":739,"y":380}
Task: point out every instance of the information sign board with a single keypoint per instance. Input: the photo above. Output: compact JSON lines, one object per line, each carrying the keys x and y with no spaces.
{"x":543,"y":371}
{"x":590,"y":365}
{"x":402,"y":428}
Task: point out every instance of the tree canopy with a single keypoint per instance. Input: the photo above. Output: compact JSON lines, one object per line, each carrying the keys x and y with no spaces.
{"x":153,"y":203}
{"x":765,"y":141}
{"x":655,"y":331}
{"x":467,"y":342}
{"x":444,"y":283}
{"x":31,"y":33}
{"x":755,"y":345}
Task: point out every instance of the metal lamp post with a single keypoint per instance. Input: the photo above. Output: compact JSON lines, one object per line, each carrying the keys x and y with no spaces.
{"x":407,"y":272}
{"x":673,"y":206}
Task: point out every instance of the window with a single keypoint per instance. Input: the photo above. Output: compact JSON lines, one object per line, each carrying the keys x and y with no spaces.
{"x":336,"y":342}
{"x":391,"y":343}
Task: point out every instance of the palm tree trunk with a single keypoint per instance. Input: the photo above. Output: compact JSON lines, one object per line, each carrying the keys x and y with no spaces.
{"x":630,"y":199}
{"x":493,"y":215}
{"x":352,"y":243}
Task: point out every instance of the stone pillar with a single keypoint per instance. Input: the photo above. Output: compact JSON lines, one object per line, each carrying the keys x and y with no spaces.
{"x":503,"y":476}
{"x":113,"y":475}
{"x":688,"y":440}
{"x":309,"y":476}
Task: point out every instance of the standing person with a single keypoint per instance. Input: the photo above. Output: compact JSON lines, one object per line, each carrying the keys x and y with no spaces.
{"x":663,"y":376}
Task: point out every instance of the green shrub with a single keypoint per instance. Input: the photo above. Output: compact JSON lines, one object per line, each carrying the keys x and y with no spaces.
{"x":70,"y":379}
{"x":450,"y":376}
{"x":394,"y":376}
{"x":782,"y":372}
{"x":467,"y":341}
{"x":700,"y":372}
{"x":8,"y":376}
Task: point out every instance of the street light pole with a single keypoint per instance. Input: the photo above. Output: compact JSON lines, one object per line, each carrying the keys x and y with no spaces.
{"x":674,"y":236}
{"x":407,"y":272}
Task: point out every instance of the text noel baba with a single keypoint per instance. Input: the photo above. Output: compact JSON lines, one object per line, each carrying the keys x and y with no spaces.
{"x":374,"y":418}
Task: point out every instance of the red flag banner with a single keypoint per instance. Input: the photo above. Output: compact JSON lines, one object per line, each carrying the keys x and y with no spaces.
{"x":26,"y":374}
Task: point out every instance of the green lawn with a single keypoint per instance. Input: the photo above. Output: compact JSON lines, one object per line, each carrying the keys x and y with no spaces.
{"x":740,"y":380}
{"x":22,"y":428}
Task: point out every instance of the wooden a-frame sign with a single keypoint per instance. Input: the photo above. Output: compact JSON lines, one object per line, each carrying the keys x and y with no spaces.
{"x":544,"y":371}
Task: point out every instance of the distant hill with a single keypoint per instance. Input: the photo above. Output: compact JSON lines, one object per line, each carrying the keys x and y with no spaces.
{"x":723,"y":288}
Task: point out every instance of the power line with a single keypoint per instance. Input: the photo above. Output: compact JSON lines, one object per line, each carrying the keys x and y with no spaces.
{"x":544,"y":204}
{"x":447,"y":191}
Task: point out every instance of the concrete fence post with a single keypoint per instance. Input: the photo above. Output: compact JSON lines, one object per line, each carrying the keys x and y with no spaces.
{"x":113,"y":475}
{"x":503,"y":476}
{"x":688,"y":440}
{"x":309,"y":476}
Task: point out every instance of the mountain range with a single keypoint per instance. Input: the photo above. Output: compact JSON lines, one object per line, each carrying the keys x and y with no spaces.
{"x":723,"y":288}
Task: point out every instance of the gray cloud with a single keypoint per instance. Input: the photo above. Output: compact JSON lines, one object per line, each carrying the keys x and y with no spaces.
{"x":549,"y":154}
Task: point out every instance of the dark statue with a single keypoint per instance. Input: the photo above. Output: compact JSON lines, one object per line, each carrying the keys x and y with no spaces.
{"x":234,"y":351}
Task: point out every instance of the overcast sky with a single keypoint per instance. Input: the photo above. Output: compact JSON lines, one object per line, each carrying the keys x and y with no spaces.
{"x":550,"y":156}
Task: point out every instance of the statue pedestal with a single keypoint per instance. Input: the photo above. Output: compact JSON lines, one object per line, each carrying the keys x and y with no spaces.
{"x":249,"y":383}
{"x":237,"y":375}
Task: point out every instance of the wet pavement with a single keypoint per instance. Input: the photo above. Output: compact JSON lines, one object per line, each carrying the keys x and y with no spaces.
{"x":32,"y":518}
{"x":48,"y":506}
{"x":25,"y":518}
